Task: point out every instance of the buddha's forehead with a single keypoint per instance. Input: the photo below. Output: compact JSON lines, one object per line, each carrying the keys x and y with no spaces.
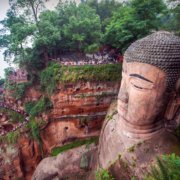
{"x":148,"y":71}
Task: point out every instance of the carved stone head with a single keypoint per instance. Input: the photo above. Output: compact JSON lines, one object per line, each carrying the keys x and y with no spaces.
{"x":150,"y":71}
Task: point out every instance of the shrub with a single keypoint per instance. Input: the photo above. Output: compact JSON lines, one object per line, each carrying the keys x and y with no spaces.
{"x":29,"y":106}
{"x":49,"y":77}
{"x":34,"y":127}
{"x":167,"y":168}
{"x":12,"y":137}
{"x":17,"y":90}
{"x":15,"y":117}
{"x":103,"y":174}
{"x":35,"y":109}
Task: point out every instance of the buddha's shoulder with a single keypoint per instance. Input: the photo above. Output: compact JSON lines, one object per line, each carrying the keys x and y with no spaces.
{"x":111,"y":118}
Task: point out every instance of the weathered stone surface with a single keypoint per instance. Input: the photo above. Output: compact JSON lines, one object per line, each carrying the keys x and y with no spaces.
{"x":67,"y":165}
{"x":78,"y":112}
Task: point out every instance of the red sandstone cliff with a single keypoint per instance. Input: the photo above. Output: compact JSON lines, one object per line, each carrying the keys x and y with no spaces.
{"x":78,"y":112}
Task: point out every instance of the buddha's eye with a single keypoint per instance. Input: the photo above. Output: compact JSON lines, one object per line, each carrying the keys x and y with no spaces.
{"x":138,"y":87}
{"x":140,"y":83}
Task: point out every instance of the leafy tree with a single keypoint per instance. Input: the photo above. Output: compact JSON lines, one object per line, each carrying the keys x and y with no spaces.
{"x":14,"y":35}
{"x":2,"y":82}
{"x":43,"y":105}
{"x":31,"y":8}
{"x":149,"y":11}
{"x":81,"y":27}
{"x":8,"y":71}
{"x":50,"y":34}
{"x":132,"y":21}
{"x":171,"y":20}
{"x":105,"y":9}
{"x":20,"y":29}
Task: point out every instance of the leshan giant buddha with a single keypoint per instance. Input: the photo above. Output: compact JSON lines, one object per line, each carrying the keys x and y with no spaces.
{"x":136,"y":134}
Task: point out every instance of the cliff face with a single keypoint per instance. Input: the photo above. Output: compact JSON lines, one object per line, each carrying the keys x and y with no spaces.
{"x":78,"y":112}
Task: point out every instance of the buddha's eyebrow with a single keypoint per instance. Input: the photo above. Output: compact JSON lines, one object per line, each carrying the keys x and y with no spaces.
{"x":141,"y":77}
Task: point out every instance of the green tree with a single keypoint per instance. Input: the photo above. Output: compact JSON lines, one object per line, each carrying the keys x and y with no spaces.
{"x":171,"y":20}
{"x":14,"y":35}
{"x":50,"y":33}
{"x":29,"y":8}
{"x":2,"y":82}
{"x":149,"y":11}
{"x":133,"y":21}
{"x":105,"y":9}
{"x":81,"y":27}
{"x":20,"y":28}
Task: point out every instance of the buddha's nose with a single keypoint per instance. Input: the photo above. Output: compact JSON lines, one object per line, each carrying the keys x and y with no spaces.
{"x":123,"y":94}
{"x":123,"y":97}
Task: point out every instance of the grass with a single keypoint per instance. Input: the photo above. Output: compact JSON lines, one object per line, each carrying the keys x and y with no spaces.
{"x":103,"y":174}
{"x":105,"y":72}
{"x":110,"y":116}
{"x":55,"y":151}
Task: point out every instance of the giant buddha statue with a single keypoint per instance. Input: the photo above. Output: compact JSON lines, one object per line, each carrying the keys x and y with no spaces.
{"x":134,"y":132}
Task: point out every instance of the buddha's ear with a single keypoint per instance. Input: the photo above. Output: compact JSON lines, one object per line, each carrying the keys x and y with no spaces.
{"x":174,"y":104}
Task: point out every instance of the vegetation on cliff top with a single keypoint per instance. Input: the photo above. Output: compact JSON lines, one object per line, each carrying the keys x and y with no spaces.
{"x":55,"y":73}
{"x":104,"y":72}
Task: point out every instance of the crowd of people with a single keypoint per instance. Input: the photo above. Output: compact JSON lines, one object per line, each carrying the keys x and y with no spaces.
{"x":75,"y":59}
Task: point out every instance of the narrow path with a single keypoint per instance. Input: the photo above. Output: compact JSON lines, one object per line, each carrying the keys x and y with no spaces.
{"x":20,"y":125}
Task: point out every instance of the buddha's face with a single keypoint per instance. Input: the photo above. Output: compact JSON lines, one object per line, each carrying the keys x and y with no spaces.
{"x":142,"y":94}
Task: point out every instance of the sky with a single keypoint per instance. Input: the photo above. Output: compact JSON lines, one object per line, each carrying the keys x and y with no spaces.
{"x":4,"y":6}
